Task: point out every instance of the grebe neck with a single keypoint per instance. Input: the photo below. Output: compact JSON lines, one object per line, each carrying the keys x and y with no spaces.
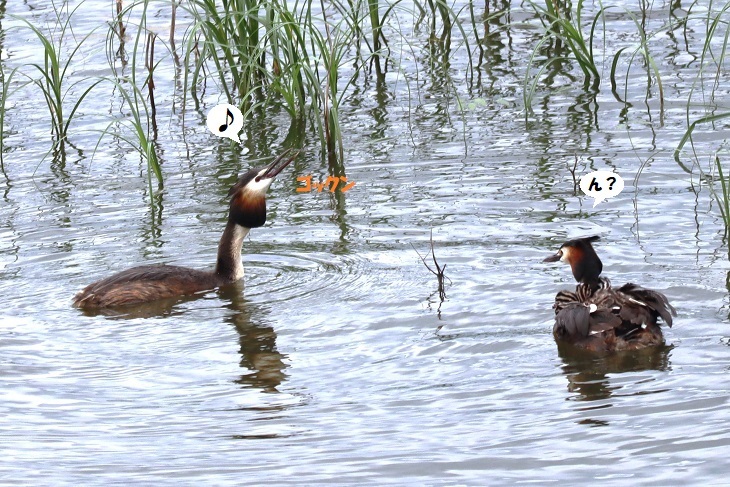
{"x":229,"y":265}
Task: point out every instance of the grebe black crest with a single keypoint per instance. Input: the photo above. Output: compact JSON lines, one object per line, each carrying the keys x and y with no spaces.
{"x":152,"y":282}
{"x":600,"y":318}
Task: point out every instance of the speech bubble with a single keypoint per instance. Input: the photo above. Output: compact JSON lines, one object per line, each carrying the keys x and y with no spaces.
{"x":601,"y":185}
{"x":225,"y":120}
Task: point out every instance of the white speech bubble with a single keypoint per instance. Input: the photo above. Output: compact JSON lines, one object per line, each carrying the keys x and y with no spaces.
{"x":601,"y":185}
{"x":225,"y":120}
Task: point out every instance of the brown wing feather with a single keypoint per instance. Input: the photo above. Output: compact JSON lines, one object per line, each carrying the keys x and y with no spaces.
{"x":653,"y":300}
{"x":603,"y":320}
{"x":625,"y":318}
{"x":572,"y":320}
{"x":143,"y":284}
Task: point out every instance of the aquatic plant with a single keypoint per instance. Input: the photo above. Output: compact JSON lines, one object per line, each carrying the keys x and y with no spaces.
{"x":264,"y":53}
{"x":377,"y":33}
{"x":687,"y":137}
{"x":723,"y":196}
{"x":5,"y":83}
{"x":333,"y":46}
{"x":302,"y":57}
{"x":142,"y":121}
{"x":650,"y":65}
{"x":712,"y":66}
{"x":54,"y":71}
{"x":450,"y":20}
{"x":713,"y":63}
{"x":564,"y":27}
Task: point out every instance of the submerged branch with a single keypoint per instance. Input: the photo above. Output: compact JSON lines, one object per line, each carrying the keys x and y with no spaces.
{"x":439,"y":272}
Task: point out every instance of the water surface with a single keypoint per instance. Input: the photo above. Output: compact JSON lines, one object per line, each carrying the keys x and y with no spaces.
{"x":337,"y":363}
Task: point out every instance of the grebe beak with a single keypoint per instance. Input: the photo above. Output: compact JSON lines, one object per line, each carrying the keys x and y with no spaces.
{"x":279,"y":164}
{"x":554,"y":258}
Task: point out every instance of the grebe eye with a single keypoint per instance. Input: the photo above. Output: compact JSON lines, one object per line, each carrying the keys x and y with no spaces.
{"x":258,"y":178}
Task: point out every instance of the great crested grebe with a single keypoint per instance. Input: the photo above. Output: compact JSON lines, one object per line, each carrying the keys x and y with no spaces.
{"x":151,"y":282}
{"x":599,"y":318}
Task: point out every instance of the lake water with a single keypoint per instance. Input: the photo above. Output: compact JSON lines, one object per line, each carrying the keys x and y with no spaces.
{"x":337,"y":363}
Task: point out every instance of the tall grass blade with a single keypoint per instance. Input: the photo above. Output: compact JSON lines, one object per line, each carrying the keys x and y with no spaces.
{"x":54,"y":71}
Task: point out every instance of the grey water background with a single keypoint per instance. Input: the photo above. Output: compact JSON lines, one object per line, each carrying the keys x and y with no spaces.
{"x":336,"y":363}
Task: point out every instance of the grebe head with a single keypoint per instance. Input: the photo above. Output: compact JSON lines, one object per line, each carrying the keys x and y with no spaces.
{"x":583,"y":260}
{"x":248,"y":195}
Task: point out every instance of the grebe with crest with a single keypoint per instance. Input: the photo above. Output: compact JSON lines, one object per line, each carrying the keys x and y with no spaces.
{"x":600,"y":318}
{"x":152,"y":282}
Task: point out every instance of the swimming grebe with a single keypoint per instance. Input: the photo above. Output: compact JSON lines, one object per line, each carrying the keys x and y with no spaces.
{"x":151,"y":282}
{"x":597,"y":317}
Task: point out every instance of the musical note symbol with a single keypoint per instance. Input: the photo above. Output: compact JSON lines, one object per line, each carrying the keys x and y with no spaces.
{"x":224,"y":127}
{"x":233,"y":121}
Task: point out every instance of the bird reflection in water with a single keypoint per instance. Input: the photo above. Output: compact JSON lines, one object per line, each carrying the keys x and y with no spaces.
{"x":257,"y":342}
{"x":587,"y":372}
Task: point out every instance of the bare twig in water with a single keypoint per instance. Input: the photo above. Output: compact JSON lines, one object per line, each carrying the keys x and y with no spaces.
{"x":572,"y":173}
{"x":439,"y":272}
{"x":150,"y":65}
{"x":119,"y":28}
{"x":172,"y":33}
{"x":120,"y":22}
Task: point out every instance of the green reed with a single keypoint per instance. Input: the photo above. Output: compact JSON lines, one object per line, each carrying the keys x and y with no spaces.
{"x":300,"y":56}
{"x":5,"y":83}
{"x":713,"y":63}
{"x":263,"y":53}
{"x":55,"y":70}
{"x":650,"y":65}
{"x":230,"y":40}
{"x":376,"y":22}
{"x":141,"y":122}
{"x":723,"y":198}
{"x":333,"y":47}
{"x":712,"y":68}
{"x":564,"y":27}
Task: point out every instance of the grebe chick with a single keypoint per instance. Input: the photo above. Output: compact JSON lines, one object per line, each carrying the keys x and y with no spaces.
{"x":152,"y":282}
{"x":599,"y":318}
